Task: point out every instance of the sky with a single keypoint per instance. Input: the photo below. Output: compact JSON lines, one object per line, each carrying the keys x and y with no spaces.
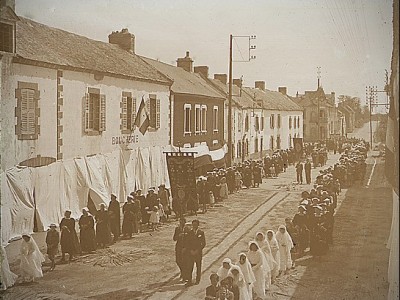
{"x":350,"y":40}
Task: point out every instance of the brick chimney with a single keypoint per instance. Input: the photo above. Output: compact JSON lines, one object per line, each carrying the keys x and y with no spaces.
{"x":237,"y":82}
{"x":221,"y":77}
{"x":124,"y":39}
{"x":260,"y":85}
{"x":185,"y":63}
{"x":282,"y":90}
{"x":203,"y":70}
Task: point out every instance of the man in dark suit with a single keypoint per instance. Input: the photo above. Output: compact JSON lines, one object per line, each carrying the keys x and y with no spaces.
{"x":196,"y":246}
{"x":307,"y":168}
{"x":179,"y":239}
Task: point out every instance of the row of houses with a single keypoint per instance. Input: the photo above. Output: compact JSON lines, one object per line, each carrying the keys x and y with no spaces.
{"x":65,"y":96}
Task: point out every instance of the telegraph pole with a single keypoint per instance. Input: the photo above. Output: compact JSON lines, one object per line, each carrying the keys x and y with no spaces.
{"x":231,"y":37}
{"x":318,"y":121}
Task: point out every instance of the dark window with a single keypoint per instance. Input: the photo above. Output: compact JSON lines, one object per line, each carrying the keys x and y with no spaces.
{"x":6,"y":37}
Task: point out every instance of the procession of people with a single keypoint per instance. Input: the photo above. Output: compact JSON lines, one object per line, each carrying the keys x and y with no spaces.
{"x":269,"y":256}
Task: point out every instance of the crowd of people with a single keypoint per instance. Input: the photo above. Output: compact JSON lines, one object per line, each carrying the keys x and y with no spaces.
{"x":272,"y":254}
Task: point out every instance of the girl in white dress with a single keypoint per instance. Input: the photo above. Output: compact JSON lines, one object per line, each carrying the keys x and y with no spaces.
{"x":258,"y":264}
{"x":31,"y":259}
{"x":285,"y":245}
{"x":273,"y":243}
{"x":223,"y":270}
{"x":7,"y":278}
{"x":262,"y":242}
{"x":238,"y":279}
{"x":247,"y":272}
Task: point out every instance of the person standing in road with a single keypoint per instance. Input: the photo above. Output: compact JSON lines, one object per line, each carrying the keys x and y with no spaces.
{"x":114,"y":212}
{"x":103,"y":233}
{"x":52,"y":241}
{"x":196,"y":246}
{"x":307,"y":169}
{"x":178,"y":238}
{"x":299,"y":172}
{"x":86,"y":232}
{"x":69,"y":239}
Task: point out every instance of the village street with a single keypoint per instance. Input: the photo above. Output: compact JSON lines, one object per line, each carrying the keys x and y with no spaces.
{"x":144,"y":267}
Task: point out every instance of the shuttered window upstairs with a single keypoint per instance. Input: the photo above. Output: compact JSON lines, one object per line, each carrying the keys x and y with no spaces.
{"x":27,"y":111}
{"x":94,"y":112}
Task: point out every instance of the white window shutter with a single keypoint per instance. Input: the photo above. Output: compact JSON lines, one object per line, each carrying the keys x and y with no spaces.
{"x":124,"y":112}
{"x":85,"y":101}
{"x":158,"y":108}
{"x":102,"y":126}
{"x":133,"y":113}
{"x":28,"y":112}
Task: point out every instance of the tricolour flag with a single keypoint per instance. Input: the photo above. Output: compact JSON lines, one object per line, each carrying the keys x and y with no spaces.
{"x":142,"y":118}
{"x":392,"y":145}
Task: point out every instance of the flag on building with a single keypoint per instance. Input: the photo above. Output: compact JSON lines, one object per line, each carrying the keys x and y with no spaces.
{"x":142,"y":120}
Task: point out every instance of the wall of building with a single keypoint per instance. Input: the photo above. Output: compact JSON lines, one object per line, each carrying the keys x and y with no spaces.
{"x":77,"y":143}
{"x":15,"y":151}
{"x":194,"y":139}
{"x":74,"y":142}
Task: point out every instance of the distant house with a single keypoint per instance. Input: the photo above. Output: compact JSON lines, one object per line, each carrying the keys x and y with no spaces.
{"x":349,"y":115}
{"x":197,"y":118}
{"x":320,"y":116}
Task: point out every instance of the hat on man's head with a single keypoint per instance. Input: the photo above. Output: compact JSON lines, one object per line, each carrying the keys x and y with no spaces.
{"x":113,"y":195}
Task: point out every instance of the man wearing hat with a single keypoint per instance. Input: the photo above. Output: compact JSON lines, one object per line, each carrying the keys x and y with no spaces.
{"x":307,"y":169}
{"x":114,"y":211}
{"x":52,"y":241}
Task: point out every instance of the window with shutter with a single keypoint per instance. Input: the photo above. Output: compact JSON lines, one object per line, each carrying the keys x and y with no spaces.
{"x":27,"y":111}
{"x":133,"y":115}
{"x":186,"y":119}
{"x":102,"y":125}
{"x":158,"y":113}
{"x":86,"y":112}
{"x":152,"y":110}
{"x":279,"y":121}
{"x":124,"y":113}
{"x":215,"y":119}
{"x":204,"y":118}
{"x":197,"y":118}
{"x":28,"y":107}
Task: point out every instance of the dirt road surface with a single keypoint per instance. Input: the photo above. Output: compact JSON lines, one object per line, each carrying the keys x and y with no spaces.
{"x":144,"y":267}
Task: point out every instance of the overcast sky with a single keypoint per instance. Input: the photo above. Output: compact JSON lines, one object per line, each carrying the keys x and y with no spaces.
{"x":351,"y":40}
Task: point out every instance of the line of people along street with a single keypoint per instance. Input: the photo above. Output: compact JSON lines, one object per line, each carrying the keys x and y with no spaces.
{"x":310,"y":231}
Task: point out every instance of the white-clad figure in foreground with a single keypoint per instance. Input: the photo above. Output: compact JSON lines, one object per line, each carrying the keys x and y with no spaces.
{"x":238,"y":279}
{"x":31,"y":259}
{"x":223,"y":270}
{"x":264,"y":245}
{"x":273,"y":243}
{"x":258,"y":263}
{"x":247,"y":272}
{"x":285,"y":245}
{"x":7,"y":278}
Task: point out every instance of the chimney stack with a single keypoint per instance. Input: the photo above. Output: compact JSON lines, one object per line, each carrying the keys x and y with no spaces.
{"x":282,"y":90}
{"x":124,"y":39}
{"x":260,"y":85}
{"x":185,"y":63}
{"x":221,"y":77}
{"x":237,"y":82}
{"x":202,"y":70}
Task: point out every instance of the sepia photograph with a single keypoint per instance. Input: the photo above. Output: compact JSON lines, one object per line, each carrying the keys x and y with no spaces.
{"x":190,"y":150}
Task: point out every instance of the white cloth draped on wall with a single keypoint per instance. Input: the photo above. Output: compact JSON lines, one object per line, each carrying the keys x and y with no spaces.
{"x":65,"y":185}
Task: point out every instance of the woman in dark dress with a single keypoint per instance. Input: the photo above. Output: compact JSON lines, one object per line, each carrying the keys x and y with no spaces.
{"x":128,"y":210}
{"x":87,"y":234}
{"x":103,"y":233}
{"x":69,"y":239}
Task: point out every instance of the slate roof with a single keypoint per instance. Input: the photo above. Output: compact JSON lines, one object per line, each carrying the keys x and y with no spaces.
{"x":273,"y":100}
{"x":308,"y":96}
{"x":242,"y":100}
{"x":41,"y":43}
{"x":185,"y":82}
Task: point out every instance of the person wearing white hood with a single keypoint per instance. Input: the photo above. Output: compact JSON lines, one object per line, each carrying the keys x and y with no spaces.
{"x":7,"y":277}
{"x":247,"y":272}
{"x":223,"y":271}
{"x":31,"y":259}
{"x":258,"y":264}
{"x":264,"y":245}
{"x":285,"y":245}
{"x":273,"y":243}
{"x":238,"y":279}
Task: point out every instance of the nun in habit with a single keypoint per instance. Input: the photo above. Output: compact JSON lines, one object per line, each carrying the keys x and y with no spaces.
{"x":31,"y":259}
{"x":258,"y":264}
{"x":285,"y":245}
{"x":273,"y":243}
{"x":7,"y":277}
{"x":247,"y":272}
{"x":223,"y":270}
{"x":238,"y":279}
